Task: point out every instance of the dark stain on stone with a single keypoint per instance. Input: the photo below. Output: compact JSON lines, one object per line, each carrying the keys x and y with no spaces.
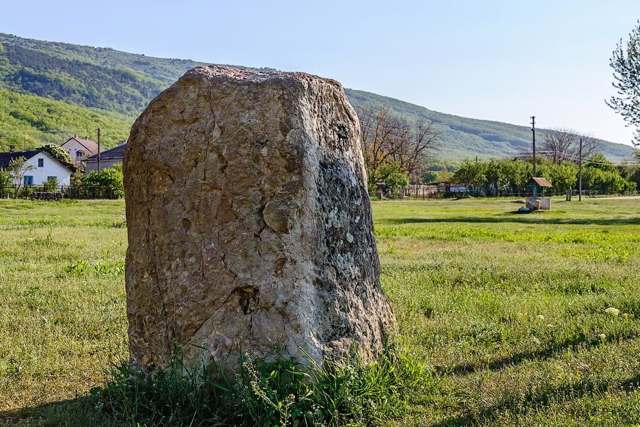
{"x":342,"y":131}
{"x":280,"y":263}
{"x":248,"y":298}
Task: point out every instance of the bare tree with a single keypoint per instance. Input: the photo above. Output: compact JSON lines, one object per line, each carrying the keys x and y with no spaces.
{"x":590,"y":146}
{"x":422,"y":141}
{"x":380,"y":134}
{"x":388,"y":138}
{"x":559,"y":144}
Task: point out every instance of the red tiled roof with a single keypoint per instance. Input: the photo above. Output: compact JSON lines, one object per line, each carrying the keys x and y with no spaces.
{"x":90,"y":145}
{"x":542,"y":182}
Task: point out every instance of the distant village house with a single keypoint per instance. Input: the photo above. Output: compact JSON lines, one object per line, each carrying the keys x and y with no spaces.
{"x":108,"y":158}
{"x":80,"y":149}
{"x":39,"y":167}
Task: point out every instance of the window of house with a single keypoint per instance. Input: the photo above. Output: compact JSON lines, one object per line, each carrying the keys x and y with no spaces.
{"x":79,"y":154}
{"x":40,"y":163}
{"x":28,"y":180}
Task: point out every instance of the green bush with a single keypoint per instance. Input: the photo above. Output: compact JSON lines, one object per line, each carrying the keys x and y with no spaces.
{"x":51,"y":185}
{"x":105,"y":183}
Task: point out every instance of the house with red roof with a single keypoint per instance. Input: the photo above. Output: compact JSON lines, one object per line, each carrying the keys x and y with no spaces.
{"x":80,"y":149}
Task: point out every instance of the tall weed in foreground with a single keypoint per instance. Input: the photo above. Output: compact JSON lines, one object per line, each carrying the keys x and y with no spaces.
{"x":259,"y":394}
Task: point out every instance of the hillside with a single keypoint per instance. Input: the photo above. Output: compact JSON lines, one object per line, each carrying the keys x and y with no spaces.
{"x":107,"y":80}
{"x":92,"y":77}
{"x":28,"y":120}
{"x":464,"y":138}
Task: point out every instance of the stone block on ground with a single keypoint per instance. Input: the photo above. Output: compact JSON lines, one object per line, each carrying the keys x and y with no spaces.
{"x":249,"y":223}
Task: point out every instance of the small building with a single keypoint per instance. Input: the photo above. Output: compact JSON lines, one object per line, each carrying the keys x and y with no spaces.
{"x":108,"y":158}
{"x":79,"y":148}
{"x":537,"y":201}
{"x":39,"y":167}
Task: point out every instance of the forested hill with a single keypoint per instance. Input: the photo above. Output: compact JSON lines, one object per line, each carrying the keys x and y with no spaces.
{"x":27,"y":121}
{"x":92,"y":77}
{"x":108,"y":88}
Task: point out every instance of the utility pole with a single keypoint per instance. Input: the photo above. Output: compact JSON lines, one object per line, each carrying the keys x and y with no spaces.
{"x":99,"y":150}
{"x":580,"y":172}
{"x":533,"y":134}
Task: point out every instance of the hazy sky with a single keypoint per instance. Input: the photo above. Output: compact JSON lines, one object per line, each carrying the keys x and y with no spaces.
{"x":489,"y":59}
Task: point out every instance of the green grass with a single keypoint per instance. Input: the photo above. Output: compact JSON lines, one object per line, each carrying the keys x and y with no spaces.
{"x":506,"y":311}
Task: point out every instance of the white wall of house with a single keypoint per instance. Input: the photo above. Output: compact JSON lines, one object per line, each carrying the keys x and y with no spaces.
{"x":50,"y":167}
{"x":76,"y":150}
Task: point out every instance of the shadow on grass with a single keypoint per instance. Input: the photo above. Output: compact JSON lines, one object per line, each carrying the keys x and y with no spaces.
{"x":529,"y":219}
{"x":71,"y":412}
{"x":575,"y":343}
{"x":541,"y":399}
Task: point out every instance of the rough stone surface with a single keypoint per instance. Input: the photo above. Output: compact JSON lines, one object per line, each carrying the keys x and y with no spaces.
{"x":249,"y":222}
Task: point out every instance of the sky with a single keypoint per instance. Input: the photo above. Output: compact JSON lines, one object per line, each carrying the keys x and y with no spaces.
{"x":502,"y":60}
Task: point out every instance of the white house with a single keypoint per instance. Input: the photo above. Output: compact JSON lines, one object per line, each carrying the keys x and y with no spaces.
{"x":39,"y":167}
{"x":80,"y":148}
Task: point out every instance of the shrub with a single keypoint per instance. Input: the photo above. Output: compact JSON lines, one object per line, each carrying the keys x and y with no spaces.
{"x":51,"y":185}
{"x":5,"y":183}
{"x":106,"y":183}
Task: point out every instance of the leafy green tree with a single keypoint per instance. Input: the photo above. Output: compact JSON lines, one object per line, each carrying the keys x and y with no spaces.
{"x":472,"y":173}
{"x":631,"y":173}
{"x":497,"y":177}
{"x":5,"y":183}
{"x":520,"y":173}
{"x":444,"y":176}
{"x":57,"y":153}
{"x":429,"y":176}
{"x":625,"y":63}
{"x":599,"y":161}
{"x":394,"y":178}
{"x":563,"y":176}
{"x":605,"y":181}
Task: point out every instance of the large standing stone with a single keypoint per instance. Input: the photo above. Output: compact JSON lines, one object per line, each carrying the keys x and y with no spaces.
{"x":249,"y":222}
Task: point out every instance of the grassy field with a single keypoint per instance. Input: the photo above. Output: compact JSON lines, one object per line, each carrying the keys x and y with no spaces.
{"x":520,"y":319}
